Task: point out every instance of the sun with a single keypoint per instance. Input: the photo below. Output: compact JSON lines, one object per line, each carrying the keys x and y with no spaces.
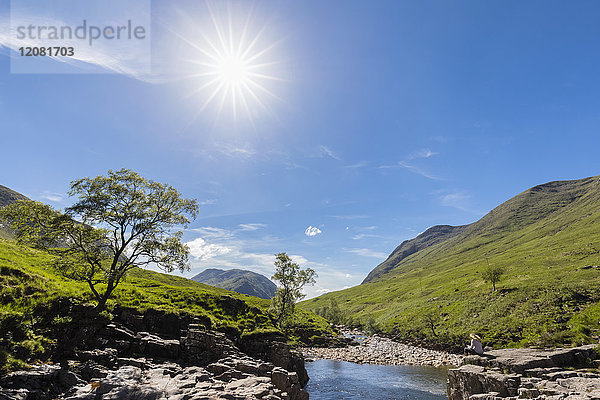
{"x":233,"y":71}
{"x":236,"y":70}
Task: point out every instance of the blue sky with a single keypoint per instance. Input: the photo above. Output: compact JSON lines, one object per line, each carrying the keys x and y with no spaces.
{"x":385,"y":118}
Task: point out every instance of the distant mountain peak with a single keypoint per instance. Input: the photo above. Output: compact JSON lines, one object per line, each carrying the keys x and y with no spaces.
{"x":238,"y":280}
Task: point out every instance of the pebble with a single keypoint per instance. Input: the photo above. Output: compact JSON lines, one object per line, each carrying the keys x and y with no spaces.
{"x":380,"y":350}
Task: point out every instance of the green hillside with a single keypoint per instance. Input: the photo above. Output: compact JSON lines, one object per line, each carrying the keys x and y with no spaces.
{"x":31,"y":294}
{"x":548,"y":241}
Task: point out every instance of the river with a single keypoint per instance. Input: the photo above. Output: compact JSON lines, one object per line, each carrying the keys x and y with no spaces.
{"x":340,"y":380}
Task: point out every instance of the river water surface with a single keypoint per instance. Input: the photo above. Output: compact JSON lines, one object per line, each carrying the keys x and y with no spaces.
{"x":341,"y":380}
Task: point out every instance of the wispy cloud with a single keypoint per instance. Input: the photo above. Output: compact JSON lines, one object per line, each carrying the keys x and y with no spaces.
{"x":423,"y":153}
{"x":365,"y":232}
{"x":312,"y":231}
{"x":349,"y":217}
{"x":327,"y":152}
{"x":207,"y":202}
{"x":417,"y":170}
{"x":235,"y":151}
{"x":212,"y":232}
{"x":52,"y":196}
{"x":406,"y":164}
{"x":360,"y":236}
{"x":251,"y":227}
{"x":367,"y":253}
{"x":359,"y":164}
{"x":456,"y":199}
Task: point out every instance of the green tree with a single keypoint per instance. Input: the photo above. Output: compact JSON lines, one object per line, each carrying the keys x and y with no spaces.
{"x":334,"y":314}
{"x":493,"y":275}
{"x":291,"y":280}
{"x":370,"y":326}
{"x":431,"y":320}
{"x":120,"y":221}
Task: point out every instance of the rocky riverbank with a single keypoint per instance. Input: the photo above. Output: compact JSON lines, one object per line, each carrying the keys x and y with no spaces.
{"x":510,"y":374}
{"x":137,"y":357}
{"x":230,"y":378}
{"x":380,"y":350}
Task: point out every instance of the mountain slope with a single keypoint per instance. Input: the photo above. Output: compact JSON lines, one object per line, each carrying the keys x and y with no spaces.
{"x":238,"y":280}
{"x":435,"y":234}
{"x":548,"y":241}
{"x":8,"y":196}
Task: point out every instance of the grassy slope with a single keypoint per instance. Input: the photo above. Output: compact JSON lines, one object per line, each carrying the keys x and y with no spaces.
{"x":29,"y":287}
{"x":543,"y":238}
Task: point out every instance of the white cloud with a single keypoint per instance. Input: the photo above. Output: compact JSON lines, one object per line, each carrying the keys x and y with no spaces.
{"x":312,"y":231}
{"x":207,"y":202}
{"x":52,"y":196}
{"x":251,"y":227}
{"x":202,"y":250}
{"x":423,"y":153}
{"x":213,"y":233}
{"x":367,"y":253}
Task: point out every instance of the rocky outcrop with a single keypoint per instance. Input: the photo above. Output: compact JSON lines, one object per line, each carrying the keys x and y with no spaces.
{"x":129,"y":363}
{"x":230,"y":378}
{"x":272,"y":347}
{"x":380,"y":350}
{"x":527,"y":373}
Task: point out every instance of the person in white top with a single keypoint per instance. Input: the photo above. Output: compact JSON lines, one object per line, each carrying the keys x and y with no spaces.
{"x":475,"y":347}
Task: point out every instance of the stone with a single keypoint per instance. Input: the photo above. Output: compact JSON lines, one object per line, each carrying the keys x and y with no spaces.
{"x":13,"y":394}
{"x":535,"y":374}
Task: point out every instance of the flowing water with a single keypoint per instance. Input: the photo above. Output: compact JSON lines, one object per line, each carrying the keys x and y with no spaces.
{"x":340,"y":380}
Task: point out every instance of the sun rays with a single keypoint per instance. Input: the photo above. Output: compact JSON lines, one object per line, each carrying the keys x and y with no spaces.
{"x":235,"y":66}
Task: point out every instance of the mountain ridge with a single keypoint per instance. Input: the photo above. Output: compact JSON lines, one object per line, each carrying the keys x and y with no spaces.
{"x":547,"y":241}
{"x":238,"y":280}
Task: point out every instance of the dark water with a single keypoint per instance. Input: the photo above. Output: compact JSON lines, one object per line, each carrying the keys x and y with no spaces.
{"x":343,"y":380}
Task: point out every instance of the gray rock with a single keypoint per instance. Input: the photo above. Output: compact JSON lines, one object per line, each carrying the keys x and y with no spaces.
{"x":536,"y":374}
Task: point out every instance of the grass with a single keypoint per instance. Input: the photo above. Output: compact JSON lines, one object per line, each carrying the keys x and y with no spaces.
{"x":30,"y":292}
{"x":546,"y":239}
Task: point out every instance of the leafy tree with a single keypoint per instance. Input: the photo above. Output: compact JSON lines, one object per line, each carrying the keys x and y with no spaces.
{"x":120,"y":221}
{"x":334,"y":314}
{"x":493,"y":275}
{"x":370,"y":326}
{"x":431,"y":320}
{"x":291,"y":281}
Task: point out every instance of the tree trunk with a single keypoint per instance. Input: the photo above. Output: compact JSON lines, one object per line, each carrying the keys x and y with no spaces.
{"x":102,"y":301}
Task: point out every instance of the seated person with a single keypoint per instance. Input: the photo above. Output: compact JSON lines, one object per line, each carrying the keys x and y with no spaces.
{"x":475,"y":347}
